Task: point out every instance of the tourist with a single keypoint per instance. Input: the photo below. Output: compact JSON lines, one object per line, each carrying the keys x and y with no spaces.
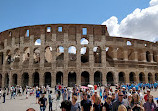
{"x":147,"y":95}
{"x":4,"y":95}
{"x":68,"y":93}
{"x":94,"y":96}
{"x":98,"y":106}
{"x":107,"y":104}
{"x":64,"y":95}
{"x":122,"y":108}
{"x":50,"y":99}
{"x":75,"y":106}
{"x":42,"y":102}
{"x":118,"y":101}
{"x":37,"y":95}
{"x":135,"y":103}
{"x":150,"y":105}
{"x":86,"y":104}
{"x":66,"y":105}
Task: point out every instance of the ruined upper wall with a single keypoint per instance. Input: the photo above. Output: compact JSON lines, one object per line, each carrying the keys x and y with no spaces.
{"x":37,"y":30}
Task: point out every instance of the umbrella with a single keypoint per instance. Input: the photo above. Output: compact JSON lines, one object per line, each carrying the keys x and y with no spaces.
{"x":84,"y":87}
{"x":91,"y":86}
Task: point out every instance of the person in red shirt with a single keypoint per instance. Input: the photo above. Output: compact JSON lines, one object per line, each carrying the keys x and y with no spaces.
{"x":147,"y":95}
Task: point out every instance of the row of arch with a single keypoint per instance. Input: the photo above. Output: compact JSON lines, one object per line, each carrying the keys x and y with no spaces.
{"x":85,"y":78}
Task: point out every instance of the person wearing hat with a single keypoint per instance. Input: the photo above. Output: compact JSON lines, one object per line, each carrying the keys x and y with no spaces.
{"x":66,"y":105}
{"x":108,"y":104}
{"x":118,"y":101}
{"x":147,"y":95}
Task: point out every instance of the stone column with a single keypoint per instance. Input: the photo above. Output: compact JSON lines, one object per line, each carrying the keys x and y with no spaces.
{"x":114,"y":53}
{"x":103,"y":57}
{"x":3,"y":77}
{"x":42,"y":50}
{"x":116,"y":78}
{"x":126,"y":55}
{"x":31,"y":59}
{"x":127,"y":77}
{"x":146,"y":77}
{"x":78,"y":77}
{"x":10,"y":78}
{"x":53,"y":79}
{"x":135,"y":55}
{"x":19,"y":79}
{"x":91,"y":78}
{"x":137,"y":78}
{"x":144,"y":56}
{"x":65,"y":78}
{"x":30,"y":79}
{"x":41,"y":79}
{"x":151,"y":57}
{"x":91,"y":57}
{"x":104,"y":81}
{"x":66,"y":57}
{"x":78,"y":48}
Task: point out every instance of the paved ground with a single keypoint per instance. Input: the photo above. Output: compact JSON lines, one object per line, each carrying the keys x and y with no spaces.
{"x":21,"y":103}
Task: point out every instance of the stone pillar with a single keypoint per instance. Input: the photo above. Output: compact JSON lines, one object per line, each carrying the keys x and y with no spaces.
{"x":41,"y":79}
{"x":91,"y":57}
{"x":91,"y":78}
{"x":144,"y":56}
{"x":30,"y":79}
{"x":114,"y":53}
{"x":19,"y":79}
{"x":66,"y":58}
{"x":135,"y":55}
{"x":103,"y":57}
{"x":10,"y":78}
{"x":31,"y":59}
{"x":153,"y":76}
{"x":42,"y":50}
{"x":137,"y":78}
{"x":151,"y":57}
{"x":126,"y":55}
{"x":78,"y":77}
{"x":104,"y":81}
{"x":127,"y":77}
{"x":3,"y":80}
{"x":146,"y":77}
{"x":65,"y":78}
{"x":78,"y":49}
{"x":53,"y":79}
{"x":116,"y":78}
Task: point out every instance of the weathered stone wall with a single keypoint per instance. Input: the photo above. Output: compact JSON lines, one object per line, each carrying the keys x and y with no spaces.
{"x":137,"y":60}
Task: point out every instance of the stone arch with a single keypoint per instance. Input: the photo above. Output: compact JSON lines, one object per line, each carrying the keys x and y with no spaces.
{"x":16,"y":55}
{"x":26,"y":54}
{"x":36,"y":55}
{"x":6,"y":80}
{"x":131,"y":55}
{"x":141,"y":77}
{"x":150,"y":78}
{"x":0,"y":80}
{"x":14,"y":79}
{"x":84,"y":54}
{"x":132,"y":77}
{"x":97,"y":54}
{"x":48,"y":54}
{"x":84,"y":78}
{"x":8,"y":57}
{"x":154,"y":56}
{"x":25,"y":79}
{"x":120,"y":54}
{"x":156,"y":77}
{"x":110,"y":78}
{"x":72,"y":53}
{"x":148,"y":56}
{"x":121,"y":77}
{"x":84,"y":41}
{"x":140,"y":55}
{"x":47,"y":76}
{"x":71,"y":79}
{"x":98,"y":78}
{"x":35,"y":79}
{"x":60,"y":53}
{"x":59,"y":78}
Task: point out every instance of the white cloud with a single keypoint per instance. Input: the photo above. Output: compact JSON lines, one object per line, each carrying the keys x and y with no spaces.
{"x":38,"y":42}
{"x":83,"y":50}
{"x":72,"y":49}
{"x":140,"y":24}
{"x":84,"y":41}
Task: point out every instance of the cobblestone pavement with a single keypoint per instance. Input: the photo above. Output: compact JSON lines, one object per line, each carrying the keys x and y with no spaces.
{"x":20,"y":103}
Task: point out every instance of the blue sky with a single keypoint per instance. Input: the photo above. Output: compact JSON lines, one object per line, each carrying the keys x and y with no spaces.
{"x":16,"y":13}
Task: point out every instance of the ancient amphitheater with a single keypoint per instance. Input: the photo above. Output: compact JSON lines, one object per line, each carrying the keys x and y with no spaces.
{"x":71,"y":54}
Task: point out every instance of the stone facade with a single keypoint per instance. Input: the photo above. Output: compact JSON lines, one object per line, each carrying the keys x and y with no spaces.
{"x":106,"y":59}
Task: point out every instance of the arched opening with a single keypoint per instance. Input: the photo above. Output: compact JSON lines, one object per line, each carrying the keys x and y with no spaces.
{"x":60,"y":53}
{"x":97,"y":54}
{"x":131,"y":55}
{"x":71,"y":79}
{"x":6,"y":81}
{"x":120,"y":54}
{"x":154,"y":56}
{"x":121,"y":77}
{"x":150,"y":78}
{"x":0,"y":80}
{"x":84,"y":78}
{"x":36,"y":79}
{"x":15,"y":77}
{"x":129,"y":43}
{"x":38,"y":42}
{"x":72,"y":53}
{"x":156,"y":77}
{"x":25,"y":79}
{"x":147,"y":56}
{"x":16,"y":55}
{"x":84,"y":41}
{"x":36,"y":55}
{"x":98,"y":78}
{"x":84,"y":54}
{"x":132,"y":77}
{"x":142,"y":77}
{"x":48,"y":79}
{"x":48,"y":54}
{"x":59,"y":78}
{"x":26,"y":54}
{"x":109,"y":78}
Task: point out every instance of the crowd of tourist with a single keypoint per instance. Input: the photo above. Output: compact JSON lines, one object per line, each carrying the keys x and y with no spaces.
{"x":129,"y":97}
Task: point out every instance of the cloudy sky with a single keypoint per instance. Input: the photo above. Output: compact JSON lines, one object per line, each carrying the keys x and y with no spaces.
{"x":124,"y":18}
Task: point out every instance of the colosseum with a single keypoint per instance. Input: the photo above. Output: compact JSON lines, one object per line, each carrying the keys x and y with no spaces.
{"x":71,"y":54}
